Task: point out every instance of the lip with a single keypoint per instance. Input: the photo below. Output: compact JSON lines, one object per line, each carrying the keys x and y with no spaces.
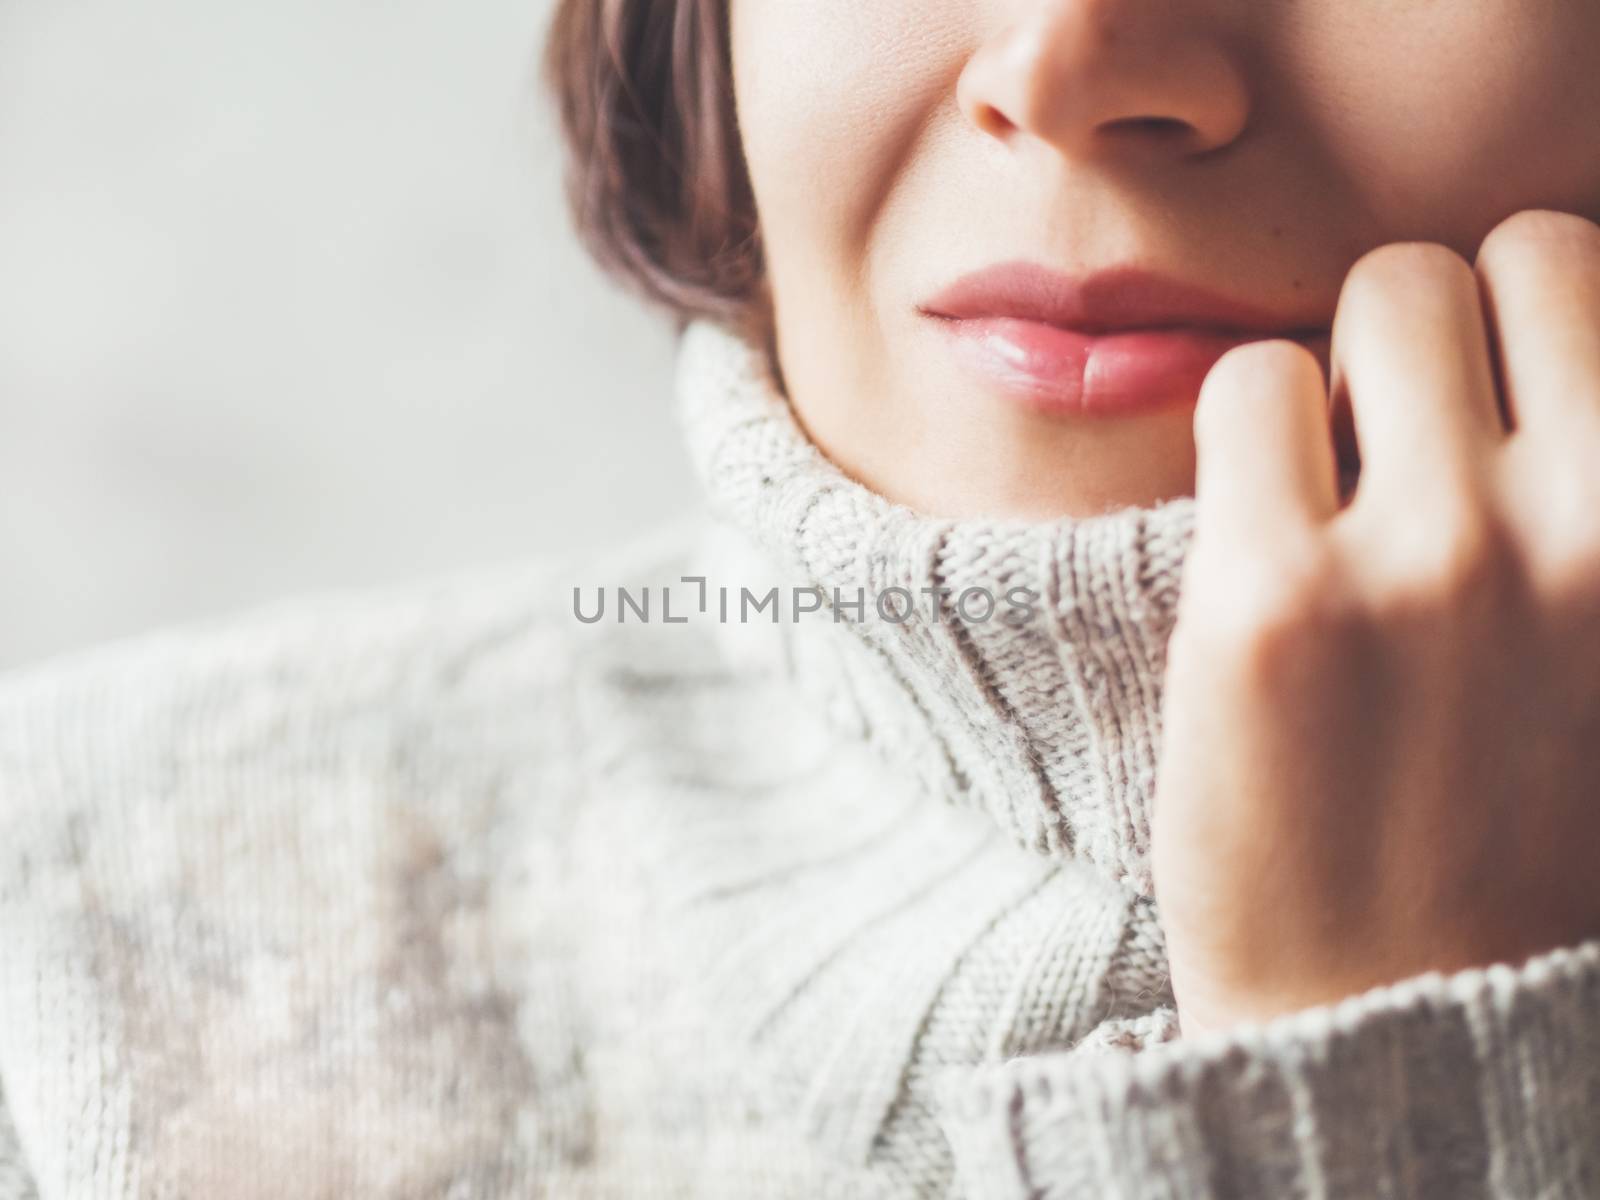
{"x":1116,"y":342}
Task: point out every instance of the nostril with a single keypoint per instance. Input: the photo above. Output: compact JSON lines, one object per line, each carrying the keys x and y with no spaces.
{"x":992,"y":121}
{"x":1167,"y":128}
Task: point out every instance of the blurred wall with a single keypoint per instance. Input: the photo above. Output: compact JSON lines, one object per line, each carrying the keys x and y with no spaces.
{"x":288,"y":301}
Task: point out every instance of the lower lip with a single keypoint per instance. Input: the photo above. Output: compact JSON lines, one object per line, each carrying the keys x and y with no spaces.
{"x":1111,"y":374}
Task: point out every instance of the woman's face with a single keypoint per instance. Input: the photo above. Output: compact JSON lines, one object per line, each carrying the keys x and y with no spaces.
{"x":1126,"y":147}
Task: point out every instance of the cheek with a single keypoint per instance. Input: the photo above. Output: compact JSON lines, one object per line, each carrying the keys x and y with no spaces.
{"x":831,"y":95}
{"x":1500,"y":117}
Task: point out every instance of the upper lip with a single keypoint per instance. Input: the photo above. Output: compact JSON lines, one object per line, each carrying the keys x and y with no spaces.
{"x":1120,"y":298}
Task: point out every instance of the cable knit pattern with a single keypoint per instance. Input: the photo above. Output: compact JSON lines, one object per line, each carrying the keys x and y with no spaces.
{"x":1052,"y":727}
{"x":438,"y":891}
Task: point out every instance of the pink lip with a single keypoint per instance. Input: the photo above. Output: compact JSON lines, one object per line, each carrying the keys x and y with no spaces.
{"x":1116,"y":342}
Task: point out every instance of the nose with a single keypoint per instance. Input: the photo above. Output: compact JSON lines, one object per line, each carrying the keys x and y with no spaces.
{"x":1101,"y":77}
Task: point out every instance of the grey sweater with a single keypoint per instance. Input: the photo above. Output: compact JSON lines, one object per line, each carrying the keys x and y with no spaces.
{"x":449,"y":890}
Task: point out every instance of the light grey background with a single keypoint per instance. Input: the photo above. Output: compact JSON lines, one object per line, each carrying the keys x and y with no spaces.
{"x":288,"y":301}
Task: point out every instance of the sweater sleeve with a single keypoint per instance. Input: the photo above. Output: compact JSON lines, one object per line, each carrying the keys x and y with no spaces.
{"x":16,"y":1182}
{"x":1484,"y":1083}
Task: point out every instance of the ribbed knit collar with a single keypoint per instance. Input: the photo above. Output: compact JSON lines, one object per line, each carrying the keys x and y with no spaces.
{"x":1052,"y":727}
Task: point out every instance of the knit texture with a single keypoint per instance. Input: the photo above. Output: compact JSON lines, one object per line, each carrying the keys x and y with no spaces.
{"x":1051,"y":727}
{"x":1482,"y":1084}
{"x":438,"y":890}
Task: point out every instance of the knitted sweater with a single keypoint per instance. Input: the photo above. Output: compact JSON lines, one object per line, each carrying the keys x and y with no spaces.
{"x":449,"y":890}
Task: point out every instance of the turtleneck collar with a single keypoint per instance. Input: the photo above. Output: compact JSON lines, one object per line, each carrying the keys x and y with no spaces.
{"x":1050,"y":725}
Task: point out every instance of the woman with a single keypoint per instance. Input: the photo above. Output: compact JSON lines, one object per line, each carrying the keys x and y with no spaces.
{"x":906,"y":829}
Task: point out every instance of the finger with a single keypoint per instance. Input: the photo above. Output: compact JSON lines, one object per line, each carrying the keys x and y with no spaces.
{"x":1263,"y":453}
{"x":1411,"y":358}
{"x":1540,"y":276}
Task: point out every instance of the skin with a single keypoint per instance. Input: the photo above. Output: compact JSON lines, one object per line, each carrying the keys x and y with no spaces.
{"x":1380,"y":714}
{"x":1382,"y":721}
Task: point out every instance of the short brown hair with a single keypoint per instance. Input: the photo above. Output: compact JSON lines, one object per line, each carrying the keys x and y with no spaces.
{"x":655,"y":171}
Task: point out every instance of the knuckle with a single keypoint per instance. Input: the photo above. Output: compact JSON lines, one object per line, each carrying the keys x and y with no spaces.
{"x":1402,"y":265}
{"x":1565,"y":491}
{"x":1539,"y":231}
{"x":1573,"y":584}
{"x":1567,"y":550}
{"x":1458,"y":561}
{"x":1267,"y":359}
{"x":1249,"y":374}
{"x":1281,"y":612}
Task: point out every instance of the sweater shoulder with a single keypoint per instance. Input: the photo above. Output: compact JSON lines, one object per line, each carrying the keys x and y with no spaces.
{"x":320,"y":847}
{"x":337,"y":674}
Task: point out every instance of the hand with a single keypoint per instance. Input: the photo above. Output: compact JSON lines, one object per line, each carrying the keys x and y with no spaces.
{"x":1381,"y":749}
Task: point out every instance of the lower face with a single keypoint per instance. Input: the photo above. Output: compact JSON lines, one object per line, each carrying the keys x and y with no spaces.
{"x":1007,"y":239}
